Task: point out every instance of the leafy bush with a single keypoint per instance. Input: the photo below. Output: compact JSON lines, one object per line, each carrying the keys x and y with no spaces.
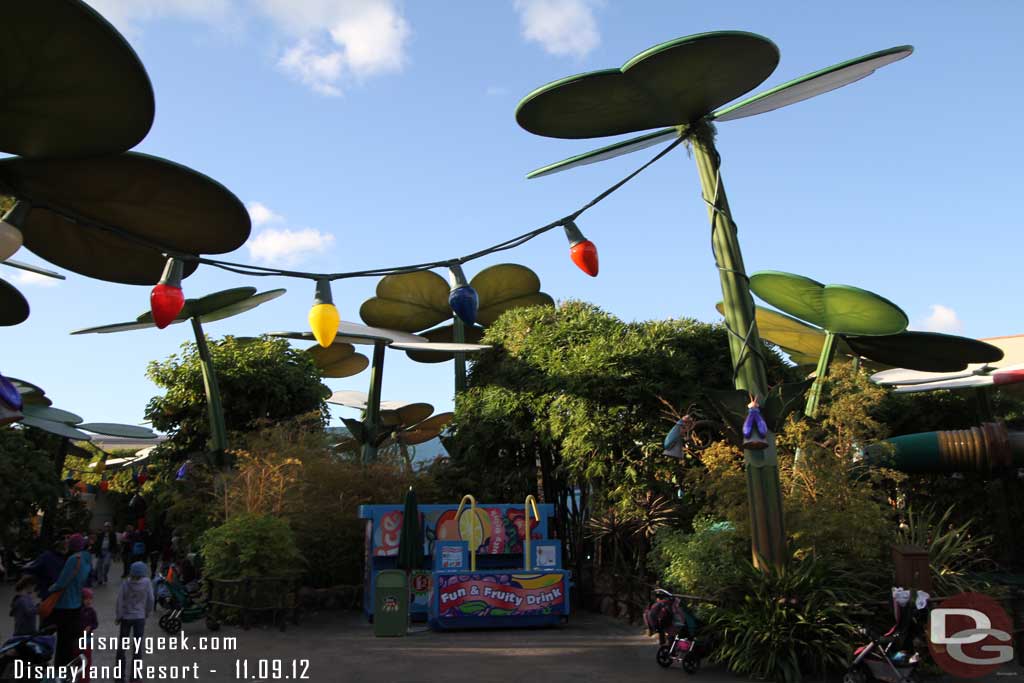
{"x":700,"y":563}
{"x":781,"y":623}
{"x":250,"y":546}
{"x":955,"y":553}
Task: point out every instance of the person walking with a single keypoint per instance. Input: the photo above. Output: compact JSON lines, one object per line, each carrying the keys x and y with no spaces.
{"x":135,"y":602}
{"x":127,"y":542}
{"x":67,"y":613}
{"x":103,"y":551}
{"x":24,"y":607}
{"x":46,"y":568}
{"x":90,"y":622}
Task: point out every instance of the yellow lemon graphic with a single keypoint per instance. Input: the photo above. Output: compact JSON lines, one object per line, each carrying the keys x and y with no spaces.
{"x":471,"y":528}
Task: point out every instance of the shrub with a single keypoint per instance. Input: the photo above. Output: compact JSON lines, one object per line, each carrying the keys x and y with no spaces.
{"x":955,"y":552}
{"x":250,"y":546}
{"x":781,"y":623}
{"x":700,"y":563}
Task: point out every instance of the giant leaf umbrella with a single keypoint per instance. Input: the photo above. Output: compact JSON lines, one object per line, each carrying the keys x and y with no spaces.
{"x":861,"y":323}
{"x":680,"y":84}
{"x":837,"y":309}
{"x":209,"y":308}
{"x":113,"y":217}
{"x":927,"y":352}
{"x":72,"y":86}
{"x":401,"y":422}
{"x":380,"y":339}
{"x":414,"y":302}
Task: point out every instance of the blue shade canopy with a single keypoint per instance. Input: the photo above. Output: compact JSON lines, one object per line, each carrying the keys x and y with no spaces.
{"x":72,"y":86}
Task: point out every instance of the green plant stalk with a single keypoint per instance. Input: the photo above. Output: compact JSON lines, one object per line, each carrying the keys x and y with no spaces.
{"x":459,"y":337}
{"x":828,"y":350}
{"x":764,"y":493}
{"x":218,"y":430}
{"x":372,"y":420}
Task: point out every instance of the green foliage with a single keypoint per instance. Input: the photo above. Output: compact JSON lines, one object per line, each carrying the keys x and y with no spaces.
{"x":259,"y":379}
{"x":703,"y":562}
{"x":30,"y":477}
{"x":781,"y":623}
{"x":250,"y":546}
{"x":955,"y":552}
{"x":569,"y":399}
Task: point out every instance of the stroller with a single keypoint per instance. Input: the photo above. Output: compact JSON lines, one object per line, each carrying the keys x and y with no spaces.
{"x":893,"y":657}
{"x":34,"y":650}
{"x":181,"y":602}
{"x":669,"y":618}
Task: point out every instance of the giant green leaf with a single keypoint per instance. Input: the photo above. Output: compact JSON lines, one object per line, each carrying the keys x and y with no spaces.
{"x":444,"y":335}
{"x":408,"y":302}
{"x":840,"y":309}
{"x":72,"y":86}
{"x":338,"y":360}
{"x":59,"y":428}
{"x":154,"y":204}
{"x":925,"y":351}
{"x":505,"y":286}
{"x":813,"y":84}
{"x":677,"y":82}
{"x":13,"y":305}
{"x":53,"y":414}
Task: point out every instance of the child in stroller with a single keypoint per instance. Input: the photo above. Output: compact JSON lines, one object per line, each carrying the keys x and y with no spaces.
{"x":669,"y":617}
{"x":893,"y":657}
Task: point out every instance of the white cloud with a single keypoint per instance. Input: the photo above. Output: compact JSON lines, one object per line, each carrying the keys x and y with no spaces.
{"x":261,"y":214}
{"x":287,"y":246}
{"x":562,"y":27}
{"x":319,"y":71}
{"x":340,"y":40}
{"x":330,"y":42}
{"x":943,"y":319}
{"x":127,"y":15}
{"x":27,"y":277}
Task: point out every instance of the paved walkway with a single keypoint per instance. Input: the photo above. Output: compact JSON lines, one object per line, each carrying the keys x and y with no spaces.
{"x":340,"y":647}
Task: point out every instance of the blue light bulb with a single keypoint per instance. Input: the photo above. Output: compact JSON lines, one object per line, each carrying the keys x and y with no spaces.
{"x":464,"y":302}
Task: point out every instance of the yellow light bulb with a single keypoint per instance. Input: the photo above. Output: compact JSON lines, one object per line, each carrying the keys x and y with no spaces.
{"x":324,"y":321}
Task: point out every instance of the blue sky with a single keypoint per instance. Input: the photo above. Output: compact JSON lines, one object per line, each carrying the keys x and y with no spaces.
{"x":368,"y":133}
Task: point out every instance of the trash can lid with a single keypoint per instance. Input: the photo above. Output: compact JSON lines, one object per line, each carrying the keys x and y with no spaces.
{"x":391,"y":578}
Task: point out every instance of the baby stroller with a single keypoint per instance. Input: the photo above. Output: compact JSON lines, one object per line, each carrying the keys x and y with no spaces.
{"x":893,"y":657}
{"x":669,"y":618}
{"x":181,"y":602}
{"x":35,"y":650}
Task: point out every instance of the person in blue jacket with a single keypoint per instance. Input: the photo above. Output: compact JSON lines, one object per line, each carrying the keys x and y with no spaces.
{"x":46,"y":568}
{"x":67,"y":614}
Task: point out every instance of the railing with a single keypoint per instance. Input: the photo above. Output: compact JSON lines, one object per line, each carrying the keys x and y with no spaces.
{"x":277,"y":595}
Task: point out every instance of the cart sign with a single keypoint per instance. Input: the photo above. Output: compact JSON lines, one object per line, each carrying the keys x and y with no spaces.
{"x":970,"y":635}
{"x":497,"y":595}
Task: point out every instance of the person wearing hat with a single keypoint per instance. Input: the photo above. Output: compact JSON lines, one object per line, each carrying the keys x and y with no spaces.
{"x":135,"y":602}
{"x":67,"y":613}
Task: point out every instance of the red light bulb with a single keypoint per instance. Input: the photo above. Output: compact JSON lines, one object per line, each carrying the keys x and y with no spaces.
{"x":166,"y":302}
{"x":584,"y":255}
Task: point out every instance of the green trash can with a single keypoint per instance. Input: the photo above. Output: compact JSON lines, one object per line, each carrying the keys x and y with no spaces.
{"x":390,"y":603}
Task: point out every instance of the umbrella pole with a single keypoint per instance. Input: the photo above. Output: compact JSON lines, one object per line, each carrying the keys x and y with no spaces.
{"x":372,"y":420}
{"x":768,"y":536}
{"x":459,"y":336}
{"x":218,"y":430}
{"x":828,"y":350}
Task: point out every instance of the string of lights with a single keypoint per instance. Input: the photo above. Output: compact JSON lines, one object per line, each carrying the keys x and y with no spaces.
{"x":167,"y":298}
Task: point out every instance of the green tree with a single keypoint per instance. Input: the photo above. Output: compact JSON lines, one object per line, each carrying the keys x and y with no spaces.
{"x":567,"y":405}
{"x":260,"y":379}
{"x":31,"y":482}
